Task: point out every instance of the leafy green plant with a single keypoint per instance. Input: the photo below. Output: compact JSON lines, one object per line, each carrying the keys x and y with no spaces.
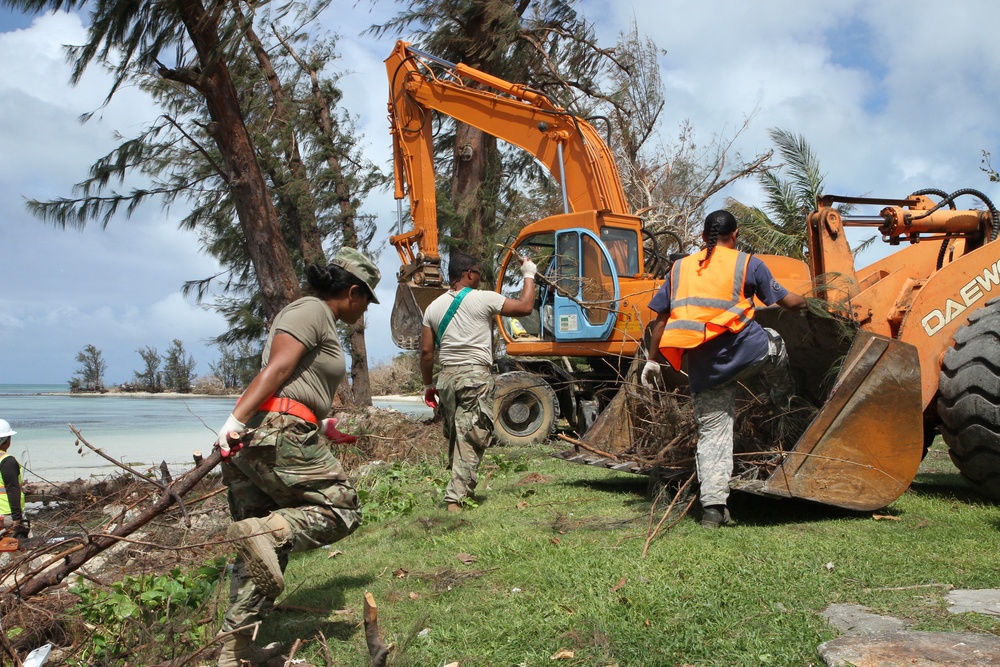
{"x":504,"y":464}
{"x":143,"y":610}
{"x":388,"y":491}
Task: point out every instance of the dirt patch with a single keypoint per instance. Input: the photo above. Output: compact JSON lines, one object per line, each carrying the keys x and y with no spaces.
{"x":532,"y":478}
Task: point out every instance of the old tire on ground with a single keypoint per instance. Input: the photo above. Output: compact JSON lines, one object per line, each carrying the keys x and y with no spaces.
{"x":524,"y":409}
{"x":969,"y":400}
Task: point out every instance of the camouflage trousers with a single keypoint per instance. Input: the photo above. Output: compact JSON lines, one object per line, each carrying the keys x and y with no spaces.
{"x":714,"y":414}
{"x":287,"y":469}
{"x":466,"y":394}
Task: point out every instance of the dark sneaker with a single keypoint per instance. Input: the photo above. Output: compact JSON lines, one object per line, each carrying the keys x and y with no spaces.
{"x":715,"y":516}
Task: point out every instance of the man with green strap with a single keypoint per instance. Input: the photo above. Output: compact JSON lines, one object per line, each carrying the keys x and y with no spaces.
{"x":459,"y":324}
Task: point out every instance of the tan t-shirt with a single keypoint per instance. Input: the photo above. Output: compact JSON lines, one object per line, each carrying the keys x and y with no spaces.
{"x":469,"y":337}
{"x":323,"y":367}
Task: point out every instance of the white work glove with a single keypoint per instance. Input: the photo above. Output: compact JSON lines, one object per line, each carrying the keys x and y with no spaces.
{"x":528,"y":269}
{"x":651,"y":377}
{"x":232,"y":425}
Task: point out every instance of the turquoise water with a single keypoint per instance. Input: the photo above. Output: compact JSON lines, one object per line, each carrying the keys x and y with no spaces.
{"x":141,"y":431}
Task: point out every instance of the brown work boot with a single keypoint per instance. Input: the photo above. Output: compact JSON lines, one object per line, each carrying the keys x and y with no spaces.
{"x":239,"y":650}
{"x":257,"y":541}
{"x":453,"y":507}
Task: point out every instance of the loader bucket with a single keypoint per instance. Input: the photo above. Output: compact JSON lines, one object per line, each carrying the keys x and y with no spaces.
{"x":864,"y":446}
{"x":407,"y":316}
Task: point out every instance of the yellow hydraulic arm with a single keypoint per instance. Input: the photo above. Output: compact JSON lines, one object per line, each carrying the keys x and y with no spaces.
{"x":569,"y":147}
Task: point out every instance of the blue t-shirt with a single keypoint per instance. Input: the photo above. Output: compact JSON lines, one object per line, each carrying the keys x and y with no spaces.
{"x":717,"y":360}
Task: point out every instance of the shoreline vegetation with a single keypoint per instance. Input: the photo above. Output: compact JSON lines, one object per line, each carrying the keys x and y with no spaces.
{"x":388,"y":398}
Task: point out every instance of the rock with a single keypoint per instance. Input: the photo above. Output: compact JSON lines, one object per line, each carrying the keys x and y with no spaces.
{"x":912,"y":649}
{"x":871,"y":640}
{"x":985,"y":601}
{"x":853,"y":619}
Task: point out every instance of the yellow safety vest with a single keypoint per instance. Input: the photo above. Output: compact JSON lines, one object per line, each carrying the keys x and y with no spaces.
{"x":4,"y":500}
{"x":705,"y":301}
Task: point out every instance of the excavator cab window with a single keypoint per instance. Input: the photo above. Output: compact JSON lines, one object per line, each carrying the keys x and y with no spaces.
{"x":623,"y":245}
{"x":583,"y":301}
{"x":541,"y":249}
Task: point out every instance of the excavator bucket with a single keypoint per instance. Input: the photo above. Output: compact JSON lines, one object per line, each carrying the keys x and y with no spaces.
{"x":407,"y":316}
{"x":863,"y":448}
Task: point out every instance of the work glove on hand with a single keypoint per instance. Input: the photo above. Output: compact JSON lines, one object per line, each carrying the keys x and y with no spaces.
{"x":229,"y":445}
{"x":430,"y":396}
{"x":21,"y":528}
{"x":328,"y":427}
{"x":651,"y":376}
{"x":528,"y":268}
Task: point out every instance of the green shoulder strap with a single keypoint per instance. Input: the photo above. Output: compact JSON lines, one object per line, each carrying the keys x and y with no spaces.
{"x":446,"y":320}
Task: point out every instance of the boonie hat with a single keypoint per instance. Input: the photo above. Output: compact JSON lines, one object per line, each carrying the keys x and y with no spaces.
{"x":5,"y":429}
{"x":359,"y":266}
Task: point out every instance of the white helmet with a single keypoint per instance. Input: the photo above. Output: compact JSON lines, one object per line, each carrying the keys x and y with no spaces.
{"x":5,"y":429}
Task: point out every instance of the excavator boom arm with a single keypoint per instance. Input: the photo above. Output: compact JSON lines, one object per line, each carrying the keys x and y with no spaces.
{"x":569,"y":147}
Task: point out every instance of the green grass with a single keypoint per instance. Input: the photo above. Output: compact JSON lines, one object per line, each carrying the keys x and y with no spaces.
{"x":559,"y":565}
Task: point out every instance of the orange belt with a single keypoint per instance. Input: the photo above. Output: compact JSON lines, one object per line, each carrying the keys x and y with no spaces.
{"x":287,"y":406}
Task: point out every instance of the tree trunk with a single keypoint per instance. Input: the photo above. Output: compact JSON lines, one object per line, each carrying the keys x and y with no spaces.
{"x":258,"y":219}
{"x":468,"y":187}
{"x":295,"y":193}
{"x":360,"y":380}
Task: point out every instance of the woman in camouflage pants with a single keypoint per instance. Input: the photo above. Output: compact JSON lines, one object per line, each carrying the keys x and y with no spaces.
{"x":287,"y":491}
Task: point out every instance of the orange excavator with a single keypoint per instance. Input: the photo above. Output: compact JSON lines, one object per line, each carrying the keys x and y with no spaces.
{"x":920,"y":354}
{"x":598,"y":277}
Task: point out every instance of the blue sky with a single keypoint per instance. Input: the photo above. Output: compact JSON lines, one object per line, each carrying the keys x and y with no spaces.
{"x":893,"y":96}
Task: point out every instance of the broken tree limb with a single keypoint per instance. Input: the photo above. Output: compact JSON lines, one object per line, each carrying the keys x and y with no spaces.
{"x":164,"y":486}
{"x":589,"y":448}
{"x":95,"y":544}
{"x":377,"y":648}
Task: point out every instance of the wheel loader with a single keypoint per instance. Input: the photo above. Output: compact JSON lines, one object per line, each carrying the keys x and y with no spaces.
{"x":903,"y":348}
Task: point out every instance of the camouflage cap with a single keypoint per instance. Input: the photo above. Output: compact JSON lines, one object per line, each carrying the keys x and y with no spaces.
{"x":359,"y":266}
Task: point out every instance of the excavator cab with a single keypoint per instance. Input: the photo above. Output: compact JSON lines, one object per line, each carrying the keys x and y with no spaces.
{"x":578,"y":281}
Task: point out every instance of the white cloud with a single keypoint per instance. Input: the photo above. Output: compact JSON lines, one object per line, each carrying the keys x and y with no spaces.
{"x":892,"y":96}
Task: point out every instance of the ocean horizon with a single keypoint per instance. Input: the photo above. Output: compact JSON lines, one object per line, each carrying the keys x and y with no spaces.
{"x":138,"y":430}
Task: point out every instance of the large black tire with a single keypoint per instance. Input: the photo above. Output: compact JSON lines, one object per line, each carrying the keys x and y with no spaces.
{"x":969,"y":400}
{"x":524,"y":409}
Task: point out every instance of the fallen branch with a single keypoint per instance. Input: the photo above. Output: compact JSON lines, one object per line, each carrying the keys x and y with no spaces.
{"x":313,"y":610}
{"x":593,"y":450}
{"x":163,"y":487}
{"x":947,"y":587}
{"x":680,"y":493}
{"x":95,"y":544}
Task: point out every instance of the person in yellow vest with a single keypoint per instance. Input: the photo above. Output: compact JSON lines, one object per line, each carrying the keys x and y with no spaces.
{"x":705,"y":312}
{"x":12,"y":496}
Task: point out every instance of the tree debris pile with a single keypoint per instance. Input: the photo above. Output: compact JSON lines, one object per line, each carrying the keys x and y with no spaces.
{"x":388,"y":435}
{"x":655,"y":429}
{"x":71,"y":515}
{"x":76,"y":513}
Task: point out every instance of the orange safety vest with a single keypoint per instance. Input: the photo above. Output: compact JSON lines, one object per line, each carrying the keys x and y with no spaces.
{"x":4,"y":500}
{"x":705,"y":301}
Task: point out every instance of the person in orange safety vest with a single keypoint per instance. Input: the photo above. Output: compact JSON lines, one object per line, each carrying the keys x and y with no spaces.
{"x":706,"y":313}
